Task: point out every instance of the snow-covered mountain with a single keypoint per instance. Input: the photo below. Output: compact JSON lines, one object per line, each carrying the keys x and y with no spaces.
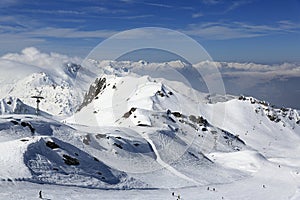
{"x":53,"y":77}
{"x":111,"y":125}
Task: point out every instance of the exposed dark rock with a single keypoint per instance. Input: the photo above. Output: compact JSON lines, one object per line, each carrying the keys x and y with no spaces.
{"x":161,"y":94}
{"x":86,"y":140}
{"x":118,"y":145}
{"x":26,"y":124}
{"x":204,"y":129}
{"x":94,"y":90}
{"x":99,"y":136}
{"x":14,"y":122}
{"x":242,"y":98}
{"x":127,"y":114}
{"x":284,"y":109}
{"x":70,"y":160}
{"x":143,"y":125}
{"x":72,"y":68}
{"x":177,"y":114}
{"x":199,"y":120}
{"x":52,"y":145}
{"x":271,"y":117}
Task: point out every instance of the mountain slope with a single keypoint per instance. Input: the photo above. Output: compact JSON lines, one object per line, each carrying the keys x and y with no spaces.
{"x":130,"y":130}
{"x":12,"y":105}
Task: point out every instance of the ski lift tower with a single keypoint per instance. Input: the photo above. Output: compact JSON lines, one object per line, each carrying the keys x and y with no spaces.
{"x":38,"y":101}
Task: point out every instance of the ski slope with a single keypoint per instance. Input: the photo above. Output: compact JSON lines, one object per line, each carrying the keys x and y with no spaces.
{"x":117,"y":130}
{"x":166,"y":165}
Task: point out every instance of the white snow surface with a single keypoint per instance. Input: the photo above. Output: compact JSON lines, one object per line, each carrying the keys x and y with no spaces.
{"x":137,"y":136}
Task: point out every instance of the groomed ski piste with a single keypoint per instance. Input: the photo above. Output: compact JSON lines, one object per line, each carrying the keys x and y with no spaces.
{"x":106,"y":131}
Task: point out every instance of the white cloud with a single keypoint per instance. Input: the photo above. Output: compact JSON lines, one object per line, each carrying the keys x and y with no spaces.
{"x":68,"y":33}
{"x":134,"y":17}
{"x":211,"y":2}
{"x":103,"y":10}
{"x":127,"y":1}
{"x":255,"y":71}
{"x":220,"y":32}
{"x":275,"y":83}
{"x":15,"y":33}
{"x":32,"y":56}
{"x":288,"y":25}
{"x":159,"y":5}
{"x":197,"y":15}
{"x":237,"y":4}
{"x":225,"y":30}
{"x":147,"y":3}
{"x":8,"y":3}
{"x":227,"y":5}
{"x":56,"y":12}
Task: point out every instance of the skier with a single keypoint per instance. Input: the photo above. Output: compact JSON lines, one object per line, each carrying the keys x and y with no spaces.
{"x":40,"y":194}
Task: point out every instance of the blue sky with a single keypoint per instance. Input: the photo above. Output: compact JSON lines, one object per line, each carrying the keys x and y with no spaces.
{"x":261,"y":31}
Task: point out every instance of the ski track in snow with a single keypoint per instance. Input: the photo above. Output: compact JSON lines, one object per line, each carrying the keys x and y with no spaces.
{"x":166,"y":165}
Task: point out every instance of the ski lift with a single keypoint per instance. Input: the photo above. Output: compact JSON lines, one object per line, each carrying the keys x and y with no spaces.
{"x":38,"y":101}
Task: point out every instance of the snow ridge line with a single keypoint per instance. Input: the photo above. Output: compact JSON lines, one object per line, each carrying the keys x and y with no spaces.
{"x":166,"y":165}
